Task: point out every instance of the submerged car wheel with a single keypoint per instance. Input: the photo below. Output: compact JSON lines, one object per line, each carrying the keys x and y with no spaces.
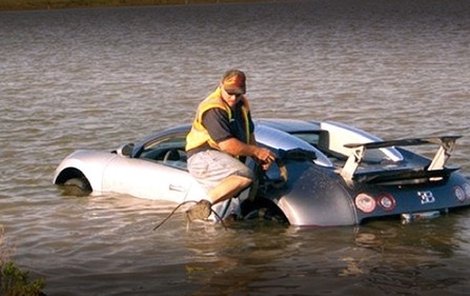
{"x":263,"y":209}
{"x":77,"y":187}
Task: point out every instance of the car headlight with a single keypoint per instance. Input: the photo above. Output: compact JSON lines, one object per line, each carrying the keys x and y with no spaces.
{"x":365,"y":203}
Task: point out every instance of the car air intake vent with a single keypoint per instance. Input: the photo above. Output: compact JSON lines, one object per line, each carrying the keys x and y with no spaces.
{"x":403,"y":177}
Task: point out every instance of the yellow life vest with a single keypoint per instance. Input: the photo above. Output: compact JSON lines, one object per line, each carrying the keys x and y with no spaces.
{"x":199,"y":134}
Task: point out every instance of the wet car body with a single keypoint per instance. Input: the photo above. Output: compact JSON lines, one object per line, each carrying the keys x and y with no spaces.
{"x":336,"y":174}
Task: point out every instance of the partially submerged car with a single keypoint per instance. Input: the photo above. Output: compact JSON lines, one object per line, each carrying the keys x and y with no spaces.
{"x":328,"y":174}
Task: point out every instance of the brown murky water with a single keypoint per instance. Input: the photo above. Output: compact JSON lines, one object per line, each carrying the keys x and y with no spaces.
{"x":99,"y":78}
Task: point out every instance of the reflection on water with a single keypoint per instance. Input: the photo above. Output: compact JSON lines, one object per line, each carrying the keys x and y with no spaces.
{"x":415,"y":263}
{"x":333,"y":261}
{"x":97,"y":78}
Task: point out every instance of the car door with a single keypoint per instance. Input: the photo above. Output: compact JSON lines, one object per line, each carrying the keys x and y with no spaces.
{"x":158,"y":172}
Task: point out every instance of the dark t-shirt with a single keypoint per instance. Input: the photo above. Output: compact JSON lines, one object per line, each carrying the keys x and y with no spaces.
{"x":220,"y":128}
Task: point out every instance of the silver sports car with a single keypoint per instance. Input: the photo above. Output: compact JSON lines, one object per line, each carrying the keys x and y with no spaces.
{"x":327,"y":174}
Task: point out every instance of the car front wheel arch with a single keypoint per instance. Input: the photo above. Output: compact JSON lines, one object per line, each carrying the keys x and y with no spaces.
{"x":74,"y":182}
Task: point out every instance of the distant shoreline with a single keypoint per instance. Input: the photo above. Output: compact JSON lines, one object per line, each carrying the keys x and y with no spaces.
{"x":9,"y":5}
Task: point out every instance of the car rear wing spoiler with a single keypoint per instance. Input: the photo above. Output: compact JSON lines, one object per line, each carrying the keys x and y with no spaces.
{"x":446,"y":143}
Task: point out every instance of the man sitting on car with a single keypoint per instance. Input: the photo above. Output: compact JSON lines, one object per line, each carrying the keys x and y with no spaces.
{"x":221,"y":136}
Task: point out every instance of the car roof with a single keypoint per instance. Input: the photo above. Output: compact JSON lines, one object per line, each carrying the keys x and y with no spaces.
{"x":182,"y":128}
{"x":289,"y":125}
{"x":270,"y":132}
{"x":286,"y":125}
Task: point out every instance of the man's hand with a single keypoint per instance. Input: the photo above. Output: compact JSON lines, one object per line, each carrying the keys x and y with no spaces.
{"x":235,"y":147}
{"x":265,"y":157}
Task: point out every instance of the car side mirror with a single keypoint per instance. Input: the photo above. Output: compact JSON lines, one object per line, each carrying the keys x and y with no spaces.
{"x":126,"y":150}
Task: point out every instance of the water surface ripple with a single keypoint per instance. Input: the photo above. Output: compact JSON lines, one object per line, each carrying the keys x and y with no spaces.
{"x":97,"y":78}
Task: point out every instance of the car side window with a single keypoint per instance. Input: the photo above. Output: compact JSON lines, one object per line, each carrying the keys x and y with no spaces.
{"x":311,"y":138}
{"x":169,"y":151}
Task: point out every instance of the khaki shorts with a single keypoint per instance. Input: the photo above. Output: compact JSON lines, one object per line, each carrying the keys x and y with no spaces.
{"x":210,"y":167}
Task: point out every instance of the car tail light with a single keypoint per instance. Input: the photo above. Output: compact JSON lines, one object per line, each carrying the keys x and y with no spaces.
{"x":365,"y":203}
{"x":459,"y":193}
{"x":387,"y":202}
{"x":466,"y":188}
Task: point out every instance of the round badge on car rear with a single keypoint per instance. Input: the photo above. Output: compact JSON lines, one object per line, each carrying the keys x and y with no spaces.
{"x":459,"y":193}
{"x":387,"y":202}
{"x":466,"y":188}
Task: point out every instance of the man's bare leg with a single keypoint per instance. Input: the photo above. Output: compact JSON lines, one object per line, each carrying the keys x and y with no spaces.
{"x":228,"y":187}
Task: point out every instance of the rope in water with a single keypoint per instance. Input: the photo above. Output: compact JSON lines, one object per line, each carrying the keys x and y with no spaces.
{"x":182,"y":204}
